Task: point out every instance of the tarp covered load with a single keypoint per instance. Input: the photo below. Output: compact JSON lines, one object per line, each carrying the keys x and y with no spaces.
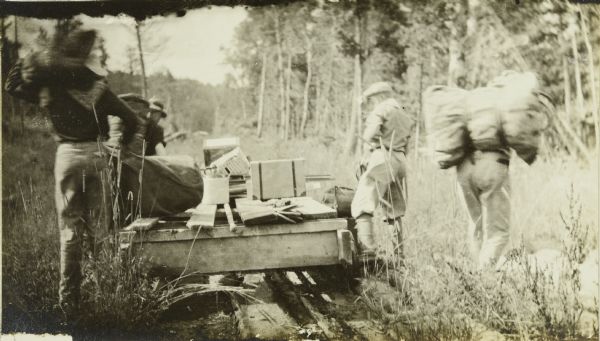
{"x":509,"y":112}
{"x":169,"y":184}
{"x":445,"y":121}
{"x":153,"y":186}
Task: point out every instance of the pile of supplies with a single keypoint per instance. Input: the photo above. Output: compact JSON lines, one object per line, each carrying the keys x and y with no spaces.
{"x":261,"y":192}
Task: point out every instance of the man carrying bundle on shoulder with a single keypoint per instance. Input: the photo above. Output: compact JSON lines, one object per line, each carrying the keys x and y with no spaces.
{"x":67,"y":82}
{"x":474,"y":131}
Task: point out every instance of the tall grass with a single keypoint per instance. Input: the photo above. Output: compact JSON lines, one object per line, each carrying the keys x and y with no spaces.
{"x":117,"y":295}
{"x":437,"y":294}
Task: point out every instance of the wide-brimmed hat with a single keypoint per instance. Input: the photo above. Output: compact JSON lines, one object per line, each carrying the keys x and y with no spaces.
{"x":77,"y":47}
{"x":377,"y":88}
{"x":157,"y":105}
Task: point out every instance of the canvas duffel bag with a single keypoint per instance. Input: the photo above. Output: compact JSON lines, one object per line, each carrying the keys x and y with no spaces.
{"x":525,"y":112}
{"x":445,"y":122}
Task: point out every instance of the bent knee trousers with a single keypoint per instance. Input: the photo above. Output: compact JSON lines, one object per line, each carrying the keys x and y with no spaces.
{"x":486,"y":191}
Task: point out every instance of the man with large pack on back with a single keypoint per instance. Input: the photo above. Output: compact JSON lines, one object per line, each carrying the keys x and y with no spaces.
{"x":474,"y":131}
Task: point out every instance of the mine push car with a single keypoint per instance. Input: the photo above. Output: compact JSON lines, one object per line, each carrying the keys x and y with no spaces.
{"x":319,"y":238}
{"x":257,"y":218}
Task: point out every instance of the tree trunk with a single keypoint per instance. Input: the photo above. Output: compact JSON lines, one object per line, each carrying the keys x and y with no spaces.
{"x":575,"y":138}
{"x":567,"y":88}
{"x":419,"y":112}
{"x":592,"y":75}
{"x":261,"y":95}
{"x":288,"y":85}
{"x":354,"y":131}
{"x":325,"y":96}
{"x":579,"y":90}
{"x":318,"y":84}
{"x":281,"y":82}
{"x":456,"y":55}
{"x":244,"y":111}
{"x":141,"y":52}
{"x":15,"y":103}
{"x":306,"y":87}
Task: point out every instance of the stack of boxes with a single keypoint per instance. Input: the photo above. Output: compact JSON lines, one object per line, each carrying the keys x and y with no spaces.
{"x":257,"y":180}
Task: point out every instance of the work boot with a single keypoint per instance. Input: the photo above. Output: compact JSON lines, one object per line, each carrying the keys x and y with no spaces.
{"x":366,"y":239}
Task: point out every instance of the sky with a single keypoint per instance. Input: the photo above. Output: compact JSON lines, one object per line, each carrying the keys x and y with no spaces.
{"x":191,"y":46}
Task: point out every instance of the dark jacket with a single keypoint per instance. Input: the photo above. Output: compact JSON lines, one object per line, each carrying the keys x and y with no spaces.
{"x":77,"y":101}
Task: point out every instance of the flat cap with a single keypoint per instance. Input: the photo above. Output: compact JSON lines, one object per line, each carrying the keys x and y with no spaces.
{"x":377,"y":88}
{"x":157,"y":105}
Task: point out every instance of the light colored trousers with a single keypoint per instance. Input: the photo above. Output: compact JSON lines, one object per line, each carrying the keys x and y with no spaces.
{"x":82,"y":207}
{"x":381,"y":180}
{"x":485,"y":186}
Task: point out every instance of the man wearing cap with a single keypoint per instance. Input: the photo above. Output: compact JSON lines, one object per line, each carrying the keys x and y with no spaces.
{"x":149,"y":134}
{"x":386,"y":134}
{"x":155,"y":134}
{"x":67,"y":81}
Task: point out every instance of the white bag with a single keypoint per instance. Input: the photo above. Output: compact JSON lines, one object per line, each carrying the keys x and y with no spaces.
{"x":524,"y":112}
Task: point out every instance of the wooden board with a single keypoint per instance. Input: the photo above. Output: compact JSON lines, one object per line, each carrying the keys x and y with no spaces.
{"x":219,"y":250}
{"x":204,"y":215}
{"x":142,"y":224}
{"x":310,"y":208}
{"x":171,"y":232}
{"x":258,"y":253}
{"x":264,"y":321}
{"x":313,"y":209}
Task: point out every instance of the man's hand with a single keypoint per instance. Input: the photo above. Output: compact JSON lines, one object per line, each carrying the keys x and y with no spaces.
{"x":160,"y":149}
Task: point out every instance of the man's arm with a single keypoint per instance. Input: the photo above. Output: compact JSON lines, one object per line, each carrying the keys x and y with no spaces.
{"x":159,"y":140}
{"x":111,"y":104}
{"x":18,"y":87}
{"x":372,"y":130}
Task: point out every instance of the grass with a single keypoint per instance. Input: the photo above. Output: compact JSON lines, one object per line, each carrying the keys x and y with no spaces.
{"x":438,"y":295}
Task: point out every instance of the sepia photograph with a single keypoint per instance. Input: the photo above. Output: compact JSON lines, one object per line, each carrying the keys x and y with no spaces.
{"x":300,"y":170}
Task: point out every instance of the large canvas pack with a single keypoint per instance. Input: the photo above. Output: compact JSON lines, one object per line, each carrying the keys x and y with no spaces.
{"x":524,"y":112}
{"x":509,"y":112}
{"x":485,"y":118}
{"x":445,"y":121}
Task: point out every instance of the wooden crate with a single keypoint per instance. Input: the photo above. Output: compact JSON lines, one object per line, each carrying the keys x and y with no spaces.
{"x":249,"y":249}
{"x":277,"y":179}
{"x":215,"y":148}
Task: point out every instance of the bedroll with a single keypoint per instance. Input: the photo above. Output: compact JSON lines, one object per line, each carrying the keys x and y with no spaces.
{"x":510,"y":112}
